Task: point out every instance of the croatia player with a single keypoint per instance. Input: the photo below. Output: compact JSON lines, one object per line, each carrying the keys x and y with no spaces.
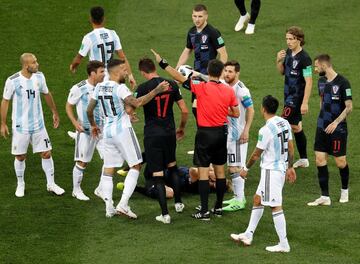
{"x":101,"y":44}
{"x":24,"y":88}
{"x":79,"y":96}
{"x":238,"y":135}
{"x":276,"y":150}
{"x":120,"y":142}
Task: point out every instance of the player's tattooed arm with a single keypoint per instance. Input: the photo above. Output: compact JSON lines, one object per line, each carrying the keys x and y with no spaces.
{"x":290,"y":172}
{"x":253,"y":158}
{"x":143,"y":100}
{"x":348,"y":109}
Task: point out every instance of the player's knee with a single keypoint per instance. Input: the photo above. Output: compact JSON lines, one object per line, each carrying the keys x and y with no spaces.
{"x":20,"y":157}
{"x":341,"y":162}
{"x":46,"y":155}
{"x":136,"y":167}
{"x":320,"y":161}
{"x":81,"y":164}
{"x":256,"y":200}
{"x":276,"y":209}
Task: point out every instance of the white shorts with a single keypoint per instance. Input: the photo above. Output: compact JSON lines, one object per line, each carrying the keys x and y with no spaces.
{"x":124,"y":146}
{"x":236,"y":153}
{"x":84,"y":147}
{"x":270,"y":187}
{"x":39,"y":140}
{"x":100,"y":146}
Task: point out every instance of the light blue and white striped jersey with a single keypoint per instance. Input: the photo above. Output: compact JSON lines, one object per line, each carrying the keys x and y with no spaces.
{"x":27,"y":113}
{"x":100,"y":44}
{"x":110,"y":97}
{"x":237,"y":125}
{"x":273,"y":139}
{"x":80,"y":95}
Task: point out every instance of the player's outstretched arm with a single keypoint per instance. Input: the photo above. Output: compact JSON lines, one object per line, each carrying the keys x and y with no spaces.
{"x":75,"y":63}
{"x":4,"y":110}
{"x":170,"y":70}
{"x":143,"y":100}
{"x":51,"y":104}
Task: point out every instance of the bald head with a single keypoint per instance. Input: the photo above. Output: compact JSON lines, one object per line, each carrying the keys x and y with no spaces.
{"x":29,"y":62}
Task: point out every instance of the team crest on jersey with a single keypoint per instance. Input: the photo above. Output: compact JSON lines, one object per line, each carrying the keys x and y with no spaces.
{"x":335,"y":89}
{"x":204,"y":38}
{"x":295,"y":63}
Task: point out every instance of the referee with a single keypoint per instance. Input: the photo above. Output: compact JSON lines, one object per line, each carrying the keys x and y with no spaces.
{"x":331,"y":133}
{"x":216,"y":101}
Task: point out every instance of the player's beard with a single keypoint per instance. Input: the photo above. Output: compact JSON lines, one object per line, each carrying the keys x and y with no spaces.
{"x":32,"y":70}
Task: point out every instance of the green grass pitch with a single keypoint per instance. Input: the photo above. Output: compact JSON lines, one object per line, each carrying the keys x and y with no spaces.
{"x":41,"y":228}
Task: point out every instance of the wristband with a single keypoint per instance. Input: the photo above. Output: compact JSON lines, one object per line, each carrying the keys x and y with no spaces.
{"x":163,"y":64}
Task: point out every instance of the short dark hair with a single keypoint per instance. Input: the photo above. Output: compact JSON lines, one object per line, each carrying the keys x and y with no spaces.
{"x":270,"y":104}
{"x":97,"y":14}
{"x":199,"y":8}
{"x":323,"y":58}
{"x":146,"y":65}
{"x":113,"y":63}
{"x":234,"y":63}
{"x":298,"y":33}
{"x":215,"y":68}
{"x":92,"y":66}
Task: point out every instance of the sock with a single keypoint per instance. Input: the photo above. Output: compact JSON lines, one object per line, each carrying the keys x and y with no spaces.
{"x":175,"y":179}
{"x":255,"y":9}
{"x":238,"y":185}
{"x":129,"y":186}
{"x":19,"y":171}
{"x":220,"y":191}
{"x":256,"y":214}
{"x":160,"y":188}
{"x":300,"y":139}
{"x":240,"y":4}
{"x":280,"y":226}
{"x":344,"y":173}
{"x":48,"y":168}
{"x":107,"y":187}
{"x":78,"y":173}
{"x":204,"y":195}
{"x":100,"y":182}
{"x":323,"y":175}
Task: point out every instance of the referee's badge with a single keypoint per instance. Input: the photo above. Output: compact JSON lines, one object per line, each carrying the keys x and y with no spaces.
{"x":335,"y":89}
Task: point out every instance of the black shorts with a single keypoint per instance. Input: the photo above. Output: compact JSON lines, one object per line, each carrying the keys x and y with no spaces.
{"x":292,"y":114}
{"x":210,"y":146}
{"x":334,"y":144}
{"x":160,"y":151}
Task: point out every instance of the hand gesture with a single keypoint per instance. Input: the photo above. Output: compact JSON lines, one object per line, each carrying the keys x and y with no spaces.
{"x":157,"y":56}
{"x":280,"y":56}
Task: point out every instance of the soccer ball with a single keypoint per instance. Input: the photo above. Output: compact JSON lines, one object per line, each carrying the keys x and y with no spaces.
{"x":185,"y":70}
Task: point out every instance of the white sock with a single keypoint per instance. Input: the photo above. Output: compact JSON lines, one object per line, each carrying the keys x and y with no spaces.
{"x":238,"y":185}
{"x":19,"y":171}
{"x":129,"y":186}
{"x":48,"y":168}
{"x":107,"y":187}
{"x":280,"y":226}
{"x":255,"y":217}
{"x":100,"y":181}
{"x":78,"y":173}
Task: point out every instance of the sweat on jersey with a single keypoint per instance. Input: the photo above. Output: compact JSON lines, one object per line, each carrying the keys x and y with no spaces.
{"x":27,"y":114}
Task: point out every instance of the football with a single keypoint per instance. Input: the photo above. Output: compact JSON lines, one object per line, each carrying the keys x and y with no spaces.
{"x":185,"y":70}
